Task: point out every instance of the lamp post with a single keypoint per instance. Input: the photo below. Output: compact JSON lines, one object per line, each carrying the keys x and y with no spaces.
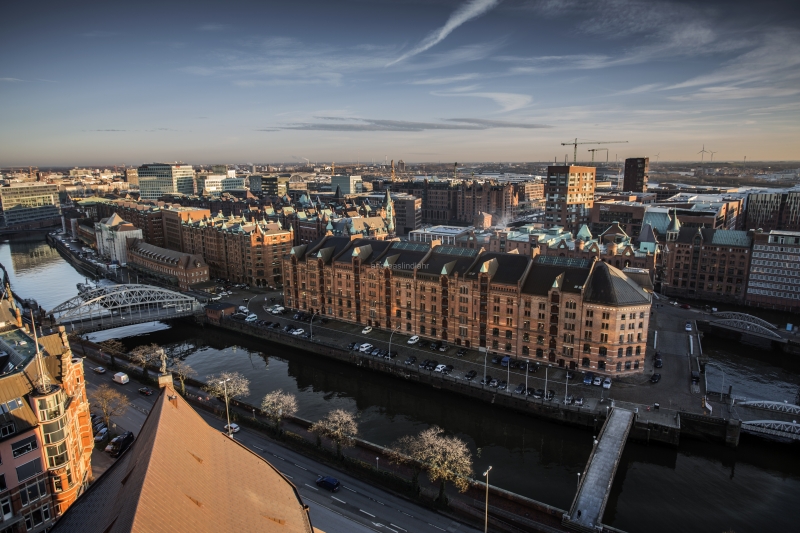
{"x":566,"y":387}
{"x":485,"y":353}
{"x":545,"y":381}
{"x":579,"y":479}
{"x":527,"y":367}
{"x":376,"y":463}
{"x":390,"y":341}
{"x":227,"y":410}
{"x":486,"y":519}
{"x":311,"y":326}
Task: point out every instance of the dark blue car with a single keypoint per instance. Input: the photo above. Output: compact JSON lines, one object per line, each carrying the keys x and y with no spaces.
{"x":330,"y":483}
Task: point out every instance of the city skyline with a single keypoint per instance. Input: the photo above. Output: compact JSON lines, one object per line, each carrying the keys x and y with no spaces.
{"x":474,"y":80}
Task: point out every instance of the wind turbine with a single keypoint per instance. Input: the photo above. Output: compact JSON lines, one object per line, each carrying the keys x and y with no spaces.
{"x":712,"y":155}
{"x":658,"y":154}
{"x":704,"y":152}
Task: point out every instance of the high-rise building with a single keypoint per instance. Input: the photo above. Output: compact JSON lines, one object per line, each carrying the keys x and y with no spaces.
{"x":347,"y":184}
{"x":158,"y":179}
{"x":569,"y":196}
{"x":773,"y":211}
{"x":29,"y":204}
{"x":774,"y":280}
{"x":132,"y":176}
{"x":637,"y":171}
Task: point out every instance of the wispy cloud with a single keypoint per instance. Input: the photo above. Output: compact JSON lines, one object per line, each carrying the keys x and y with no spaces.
{"x":11,"y":80}
{"x":507,"y":101}
{"x":638,"y":89}
{"x":448,"y":79}
{"x":466,"y":12}
{"x":735,"y":93}
{"x":365,"y":124}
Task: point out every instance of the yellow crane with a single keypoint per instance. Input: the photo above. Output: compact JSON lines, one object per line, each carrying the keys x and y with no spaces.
{"x":575,"y":144}
{"x":593,"y":150}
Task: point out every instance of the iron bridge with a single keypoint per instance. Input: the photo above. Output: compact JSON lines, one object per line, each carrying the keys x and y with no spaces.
{"x":122,"y":305}
{"x":776,"y":428}
{"x":780,"y":407}
{"x":744,"y":322}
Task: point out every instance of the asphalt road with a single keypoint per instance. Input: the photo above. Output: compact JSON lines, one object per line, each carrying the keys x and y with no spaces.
{"x":357,"y":507}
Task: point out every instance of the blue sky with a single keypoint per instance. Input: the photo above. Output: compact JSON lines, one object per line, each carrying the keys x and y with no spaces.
{"x":428,"y":80}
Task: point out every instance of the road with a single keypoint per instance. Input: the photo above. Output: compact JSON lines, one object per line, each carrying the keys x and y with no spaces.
{"x":357,"y":507}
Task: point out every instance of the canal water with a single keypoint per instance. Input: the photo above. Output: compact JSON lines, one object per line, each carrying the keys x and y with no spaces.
{"x":698,"y":487}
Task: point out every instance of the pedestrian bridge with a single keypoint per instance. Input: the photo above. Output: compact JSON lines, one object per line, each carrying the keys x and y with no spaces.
{"x":782,"y":422}
{"x":590,"y":501}
{"x":744,"y":323}
{"x":122,"y":305}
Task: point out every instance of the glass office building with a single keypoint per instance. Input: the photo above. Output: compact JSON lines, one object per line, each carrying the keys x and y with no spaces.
{"x":158,"y":179}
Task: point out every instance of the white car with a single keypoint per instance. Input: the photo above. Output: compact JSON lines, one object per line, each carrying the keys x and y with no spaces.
{"x":101,"y":435}
{"x":607,"y":383}
{"x":234,"y":428}
{"x":688,"y":326}
{"x":440,"y":368}
{"x":366,"y":347}
{"x":298,"y":332}
{"x":413,"y":340}
{"x":366,"y":330}
{"x":251,"y":318}
{"x":598,"y":381}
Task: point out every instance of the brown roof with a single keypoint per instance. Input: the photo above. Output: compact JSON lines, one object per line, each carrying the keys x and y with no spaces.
{"x":180,"y":474}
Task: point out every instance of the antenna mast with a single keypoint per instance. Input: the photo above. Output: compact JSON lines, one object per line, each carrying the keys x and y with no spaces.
{"x":43,"y":381}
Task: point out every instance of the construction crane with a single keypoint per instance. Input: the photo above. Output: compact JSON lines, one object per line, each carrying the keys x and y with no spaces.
{"x":575,"y":144}
{"x":593,"y":150}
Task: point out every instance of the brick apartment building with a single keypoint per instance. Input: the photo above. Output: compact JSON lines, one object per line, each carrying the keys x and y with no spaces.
{"x":769,"y":211}
{"x":629,"y":215}
{"x":569,"y":196}
{"x":574,"y":313}
{"x":498,"y":199}
{"x":774,"y":281}
{"x":46,"y":437}
{"x":706,"y":264}
{"x":183,"y":270}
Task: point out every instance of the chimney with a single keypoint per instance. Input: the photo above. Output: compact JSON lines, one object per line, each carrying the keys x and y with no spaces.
{"x":173,"y":399}
{"x":579,"y":244}
{"x":165,"y":380}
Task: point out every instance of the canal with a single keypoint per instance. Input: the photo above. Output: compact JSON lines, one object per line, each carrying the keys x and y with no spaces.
{"x":698,"y":487}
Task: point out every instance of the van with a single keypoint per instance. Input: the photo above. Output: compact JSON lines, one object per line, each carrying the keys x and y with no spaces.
{"x":121,"y":444}
{"x":121,"y":378}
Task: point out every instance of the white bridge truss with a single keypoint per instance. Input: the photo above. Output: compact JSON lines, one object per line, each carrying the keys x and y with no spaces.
{"x":780,"y":407}
{"x":746,"y":325}
{"x":776,"y":428}
{"x":119,"y":305}
{"x":731,"y":315}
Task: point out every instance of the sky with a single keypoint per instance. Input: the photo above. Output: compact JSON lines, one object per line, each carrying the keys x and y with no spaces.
{"x":97,"y":83}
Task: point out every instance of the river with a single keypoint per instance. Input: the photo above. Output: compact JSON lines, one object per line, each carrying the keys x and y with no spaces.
{"x":698,"y":487}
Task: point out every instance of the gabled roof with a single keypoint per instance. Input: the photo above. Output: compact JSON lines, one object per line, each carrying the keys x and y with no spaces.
{"x":510,"y":267}
{"x":610,"y":286}
{"x":167,"y":481}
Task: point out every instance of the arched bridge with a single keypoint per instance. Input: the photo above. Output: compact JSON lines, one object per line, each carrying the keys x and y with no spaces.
{"x":745,"y":323}
{"x":122,"y":305}
{"x":776,"y":428}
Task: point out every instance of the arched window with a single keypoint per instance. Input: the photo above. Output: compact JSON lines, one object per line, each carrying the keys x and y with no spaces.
{"x":638,"y":350}
{"x":619,"y":367}
{"x":628,"y":351}
{"x":627,"y":365}
{"x":601,"y":365}
{"x":635,"y":365}
{"x":585,"y":362}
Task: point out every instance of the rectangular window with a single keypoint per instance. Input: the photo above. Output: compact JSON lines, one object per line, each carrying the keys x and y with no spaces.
{"x":21,"y":447}
{"x":37,"y":517}
{"x":29,"y":469}
{"x":7,"y":510}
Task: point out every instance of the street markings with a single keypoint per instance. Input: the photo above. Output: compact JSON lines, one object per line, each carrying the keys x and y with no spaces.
{"x":398,"y":527}
{"x":351,"y":490}
{"x":370,"y":514}
{"x":338,"y":500}
{"x":287,"y":475}
{"x":437,"y":527}
{"x":310,"y":487}
{"x":298,"y":466}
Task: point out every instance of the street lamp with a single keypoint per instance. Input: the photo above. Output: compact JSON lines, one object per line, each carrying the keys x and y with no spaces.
{"x":579,"y":479}
{"x":390,"y":341}
{"x":311,"y":327}
{"x":485,"y":353}
{"x":227,"y":410}
{"x":486,"y":520}
{"x":376,"y":463}
{"x":527,"y":367}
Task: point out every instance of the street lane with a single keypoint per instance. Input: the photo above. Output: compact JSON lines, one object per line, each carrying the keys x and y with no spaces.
{"x":357,"y":506}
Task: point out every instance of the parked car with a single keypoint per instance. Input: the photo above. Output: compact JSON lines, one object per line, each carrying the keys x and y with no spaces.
{"x":328,"y":483}
{"x":588,"y":378}
{"x":578,"y":401}
{"x":101,"y":435}
{"x":435,"y":346}
{"x":461,"y":352}
{"x":110,"y":445}
{"x":538,"y":394}
{"x":658,"y":364}
{"x":550,"y":394}
{"x":656,"y":378}
{"x":413,"y":340}
{"x":443,"y":347}
{"x":486,"y":380}
{"x":422,"y":344}
{"x":686,"y":306}
{"x":607,"y":383}
{"x":391,"y":355}
{"x":502,"y":384}
{"x":411,"y":360}
{"x":688,"y":326}
{"x":598,"y":381}
{"x":298,"y":332}
{"x":494,"y":383}
{"x":448,"y":369}
{"x":469,"y":376}
{"x":520,"y":389}
{"x":234,"y":428}
{"x":99,"y":370}
{"x":569,"y":400}
{"x":146,"y":391}
{"x":121,"y":444}
{"x":376,"y":352}
{"x":504,"y":362}
{"x":366,"y":330}
{"x":440,"y":368}
{"x":496,"y":360}
{"x":366,"y":348}
{"x":424,"y":363}
{"x":431,"y":365}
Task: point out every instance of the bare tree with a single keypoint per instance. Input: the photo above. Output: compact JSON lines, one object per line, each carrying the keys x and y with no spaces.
{"x":445,"y":458}
{"x":227,"y":385}
{"x":109,"y":401}
{"x":142,"y":356}
{"x":111,"y":347}
{"x":183,"y":371}
{"x":338,"y":425}
{"x":278,"y":405}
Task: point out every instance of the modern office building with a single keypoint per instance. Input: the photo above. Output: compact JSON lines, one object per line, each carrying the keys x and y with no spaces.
{"x":571,"y":312}
{"x":46,"y":437}
{"x":774,"y":280}
{"x":347,"y":184}
{"x":637,"y":171}
{"x":132,"y":176}
{"x":158,"y":179}
{"x":569,"y":196}
{"x":29,"y":205}
{"x":769,"y":211}
{"x":443,"y":234}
